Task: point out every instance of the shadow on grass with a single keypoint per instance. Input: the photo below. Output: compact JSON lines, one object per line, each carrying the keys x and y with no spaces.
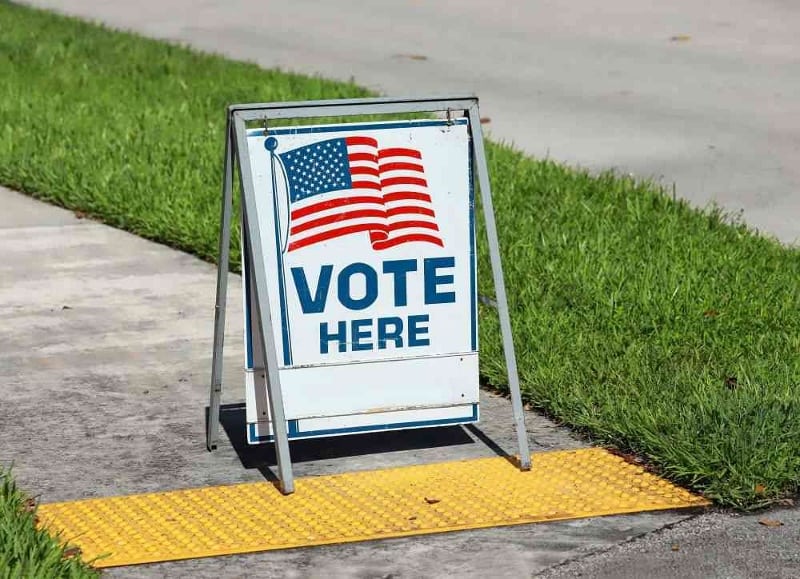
{"x":262,"y":456}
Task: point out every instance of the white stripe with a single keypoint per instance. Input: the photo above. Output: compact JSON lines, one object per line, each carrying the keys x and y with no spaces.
{"x":401,"y":159}
{"x":335,"y":195}
{"x":413,"y":230}
{"x":368,"y":178}
{"x":339,"y":224}
{"x":336,"y":211}
{"x":411,"y":217}
{"x":370,"y":164}
{"x":395,"y":173}
{"x":370,"y":150}
{"x":404,"y":187}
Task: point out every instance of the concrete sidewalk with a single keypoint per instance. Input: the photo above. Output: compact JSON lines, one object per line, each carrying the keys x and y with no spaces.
{"x":105,"y":343}
{"x":105,"y":346}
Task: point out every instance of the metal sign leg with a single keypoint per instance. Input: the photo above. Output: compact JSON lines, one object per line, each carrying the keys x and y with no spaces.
{"x":274,"y":392}
{"x":500,"y":288}
{"x":212,"y":424}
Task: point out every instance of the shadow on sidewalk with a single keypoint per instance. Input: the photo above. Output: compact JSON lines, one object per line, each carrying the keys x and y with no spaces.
{"x":262,"y":456}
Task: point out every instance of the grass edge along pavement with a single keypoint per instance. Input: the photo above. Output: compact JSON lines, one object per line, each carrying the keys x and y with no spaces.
{"x":653,"y":326}
{"x":28,"y":551}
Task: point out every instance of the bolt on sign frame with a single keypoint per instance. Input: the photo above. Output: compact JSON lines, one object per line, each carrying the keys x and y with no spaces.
{"x":236,"y":152}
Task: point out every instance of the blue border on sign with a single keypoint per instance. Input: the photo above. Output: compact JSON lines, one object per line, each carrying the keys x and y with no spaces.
{"x":473,"y":280}
{"x":247,"y":296}
{"x":372,"y":127}
{"x":295,"y":432}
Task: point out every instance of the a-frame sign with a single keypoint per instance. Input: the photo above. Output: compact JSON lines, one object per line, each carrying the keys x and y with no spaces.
{"x":359,"y":270}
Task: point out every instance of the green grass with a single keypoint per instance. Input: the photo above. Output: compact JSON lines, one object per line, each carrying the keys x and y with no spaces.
{"x":647,"y":324}
{"x":26,"y":551}
{"x":652,"y":326}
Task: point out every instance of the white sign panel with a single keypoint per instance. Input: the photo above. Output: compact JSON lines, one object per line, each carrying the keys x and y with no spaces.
{"x":369,"y":248}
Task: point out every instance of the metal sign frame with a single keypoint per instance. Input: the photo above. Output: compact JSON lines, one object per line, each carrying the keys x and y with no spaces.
{"x":236,"y":151}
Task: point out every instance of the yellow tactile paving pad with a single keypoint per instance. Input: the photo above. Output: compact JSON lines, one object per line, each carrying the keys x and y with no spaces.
{"x":358,"y":506}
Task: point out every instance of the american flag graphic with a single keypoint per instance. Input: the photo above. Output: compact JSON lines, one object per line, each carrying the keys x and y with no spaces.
{"x":350,"y":186}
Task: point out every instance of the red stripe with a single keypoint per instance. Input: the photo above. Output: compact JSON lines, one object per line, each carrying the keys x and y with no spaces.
{"x":408,"y":224}
{"x":331,"y":234}
{"x":343,"y":216}
{"x":368,"y":141}
{"x":399,"y":152}
{"x":404,"y":181}
{"x":377,"y":236}
{"x":330,"y":204}
{"x":362,"y":157}
{"x":364,"y":171}
{"x":409,"y":209}
{"x":366,"y":185}
{"x":406,"y":238}
{"x":402,"y":167}
{"x":406,"y":196}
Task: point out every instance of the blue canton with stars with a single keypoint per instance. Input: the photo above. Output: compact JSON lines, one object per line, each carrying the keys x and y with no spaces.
{"x":317,"y":169}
